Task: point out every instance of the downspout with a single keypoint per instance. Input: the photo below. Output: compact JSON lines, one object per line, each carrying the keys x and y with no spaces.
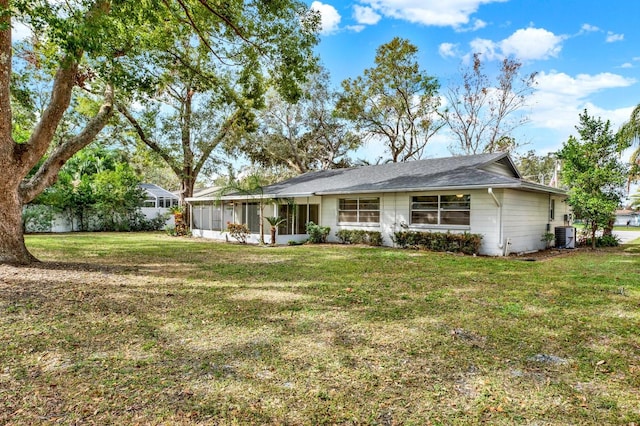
{"x":501,"y":245}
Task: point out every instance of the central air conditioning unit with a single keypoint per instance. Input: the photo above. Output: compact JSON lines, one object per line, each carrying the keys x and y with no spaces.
{"x":565,"y":237}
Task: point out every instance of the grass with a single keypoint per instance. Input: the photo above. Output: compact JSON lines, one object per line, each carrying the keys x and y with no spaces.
{"x":149,"y":329}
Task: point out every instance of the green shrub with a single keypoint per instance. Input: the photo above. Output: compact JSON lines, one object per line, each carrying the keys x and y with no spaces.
{"x":603,"y":241}
{"x":317,"y":234}
{"x":439,"y":241}
{"x":351,"y":236}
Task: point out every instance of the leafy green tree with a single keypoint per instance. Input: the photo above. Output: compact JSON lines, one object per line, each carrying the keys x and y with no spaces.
{"x":482,"y":116}
{"x":394,"y":102}
{"x":100,"y":46}
{"x":537,"y":168}
{"x":201,"y":101}
{"x":98,"y":190}
{"x":592,"y":171}
{"x":302,"y":136}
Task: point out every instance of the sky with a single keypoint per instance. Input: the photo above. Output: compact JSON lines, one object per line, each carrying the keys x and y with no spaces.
{"x":586,"y":53}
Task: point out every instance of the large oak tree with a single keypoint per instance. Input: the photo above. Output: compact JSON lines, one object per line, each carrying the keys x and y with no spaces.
{"x":301,"y":136}
{"x":102,"y":43}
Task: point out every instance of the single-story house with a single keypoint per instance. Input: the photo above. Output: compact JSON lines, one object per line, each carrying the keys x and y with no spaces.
{"x":158,"y":197}
{"x":483,"y":194}
{"x":627,"y":217}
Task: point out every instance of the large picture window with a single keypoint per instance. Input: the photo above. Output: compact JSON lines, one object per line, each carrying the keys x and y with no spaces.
{"x":359,"y":210}
{"x":441,"y":210}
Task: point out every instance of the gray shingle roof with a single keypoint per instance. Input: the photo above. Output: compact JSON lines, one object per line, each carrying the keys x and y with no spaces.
{"x":156,"y":191}
{"x":437,"y":173}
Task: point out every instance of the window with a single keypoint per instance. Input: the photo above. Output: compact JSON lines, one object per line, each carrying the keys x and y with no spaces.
{"x":441,"y":210}
{"x":359,"y":210}
{"x":552,"y":210}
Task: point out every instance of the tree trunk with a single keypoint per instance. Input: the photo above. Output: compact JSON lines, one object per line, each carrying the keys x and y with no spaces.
{"x":12,"y":247}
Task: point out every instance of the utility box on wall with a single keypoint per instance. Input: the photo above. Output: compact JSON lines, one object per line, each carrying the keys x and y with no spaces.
{"x":565,"y":237}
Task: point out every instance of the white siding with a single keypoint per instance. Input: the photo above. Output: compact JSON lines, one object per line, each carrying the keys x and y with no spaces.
{"x":514,"y":221}
{"x":527,"y":218}
{"x":395,"y":216}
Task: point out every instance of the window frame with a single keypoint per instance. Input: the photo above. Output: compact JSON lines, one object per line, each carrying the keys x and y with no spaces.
{"x":446,"y":203}
{"x":360,"y":213}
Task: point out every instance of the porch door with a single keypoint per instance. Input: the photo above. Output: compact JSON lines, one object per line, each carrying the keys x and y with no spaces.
{"x":306,"y":213}
{"x":251,"y":216}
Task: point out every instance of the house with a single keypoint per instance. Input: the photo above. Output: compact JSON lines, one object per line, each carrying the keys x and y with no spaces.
{"x":483,"y":194}
{"x":157,"y":197}
{"x":627,"y":217}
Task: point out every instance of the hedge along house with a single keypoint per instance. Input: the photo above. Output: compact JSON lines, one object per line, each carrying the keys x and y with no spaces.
{"x":481,"y":194}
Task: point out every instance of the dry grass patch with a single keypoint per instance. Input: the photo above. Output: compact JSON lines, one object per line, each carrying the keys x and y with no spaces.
{"x":154,"y":330}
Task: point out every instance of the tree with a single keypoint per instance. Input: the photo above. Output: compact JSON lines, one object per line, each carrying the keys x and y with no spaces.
{"x":98,"y":190}
{"x":201,"y":100}
{"x":592,"y":171}
{"x":538,"y":168}
{"x":394,"y":101}
{"x":629,"y":135}
{"x":274,"y":222}
{"x":481,"y":116}
{"x":75,"y":35}
{"x":101,"y":46}
{"x":302,"y":136}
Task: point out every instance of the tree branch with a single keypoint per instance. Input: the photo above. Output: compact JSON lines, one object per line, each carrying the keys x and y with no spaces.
{"x":48,"y":172}
{"x":148,"y":141}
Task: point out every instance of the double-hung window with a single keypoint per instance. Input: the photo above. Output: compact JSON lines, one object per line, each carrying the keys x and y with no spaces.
{"x":359,"y":210}
{"x":441,"y":210}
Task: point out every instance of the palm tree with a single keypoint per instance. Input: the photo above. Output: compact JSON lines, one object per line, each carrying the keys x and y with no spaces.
{"x":629,"y":135}
{"x":275,"y":221}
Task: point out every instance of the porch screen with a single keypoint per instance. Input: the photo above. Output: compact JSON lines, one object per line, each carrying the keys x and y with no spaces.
{"x":297,"y":216}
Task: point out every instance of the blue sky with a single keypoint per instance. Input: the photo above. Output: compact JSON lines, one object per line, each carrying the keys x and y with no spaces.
{"x":587,"y":53}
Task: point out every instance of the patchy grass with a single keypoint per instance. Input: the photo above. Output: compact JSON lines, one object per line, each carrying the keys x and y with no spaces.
{"x":144,"y":328}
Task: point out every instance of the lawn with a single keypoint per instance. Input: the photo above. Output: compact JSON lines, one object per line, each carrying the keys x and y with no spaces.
{"x":149,"y":329}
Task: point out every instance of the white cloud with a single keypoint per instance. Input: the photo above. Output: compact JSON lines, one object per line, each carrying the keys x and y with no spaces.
{"x":476,"y":25}
{"x":487,"y":48}
{"x":365,"y":15}
{"x":525,"y":44}
{"x":356,"y":28}
{"x":626,"y":65}
{"x":329,"y":16}
{"x":448,"y":50}
{"x":588,"y":28}
{"x":532,"y":43}
{"x":453,"y":13}
{"x":559,"y":99}
{"x":611,"y":37}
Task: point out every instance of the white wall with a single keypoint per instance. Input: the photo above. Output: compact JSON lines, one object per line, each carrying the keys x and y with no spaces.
{"x":518,"y":217}
{"x":527,"y":215}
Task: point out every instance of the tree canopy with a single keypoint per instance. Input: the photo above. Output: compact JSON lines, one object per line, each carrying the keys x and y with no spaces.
{"x":102,"y":47}
{"x":301,"y":136}
{"x":593,"y":172}
{"x":394,"y":101}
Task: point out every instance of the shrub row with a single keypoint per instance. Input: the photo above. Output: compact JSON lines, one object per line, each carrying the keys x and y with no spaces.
{"x":352,"y":236}
{"x":439,"y":241}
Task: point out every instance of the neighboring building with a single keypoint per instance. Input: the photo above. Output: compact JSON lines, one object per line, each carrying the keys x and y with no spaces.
{"x":158,"y":197}
{"x":627,"y":217}
{"x":483,"y":194}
